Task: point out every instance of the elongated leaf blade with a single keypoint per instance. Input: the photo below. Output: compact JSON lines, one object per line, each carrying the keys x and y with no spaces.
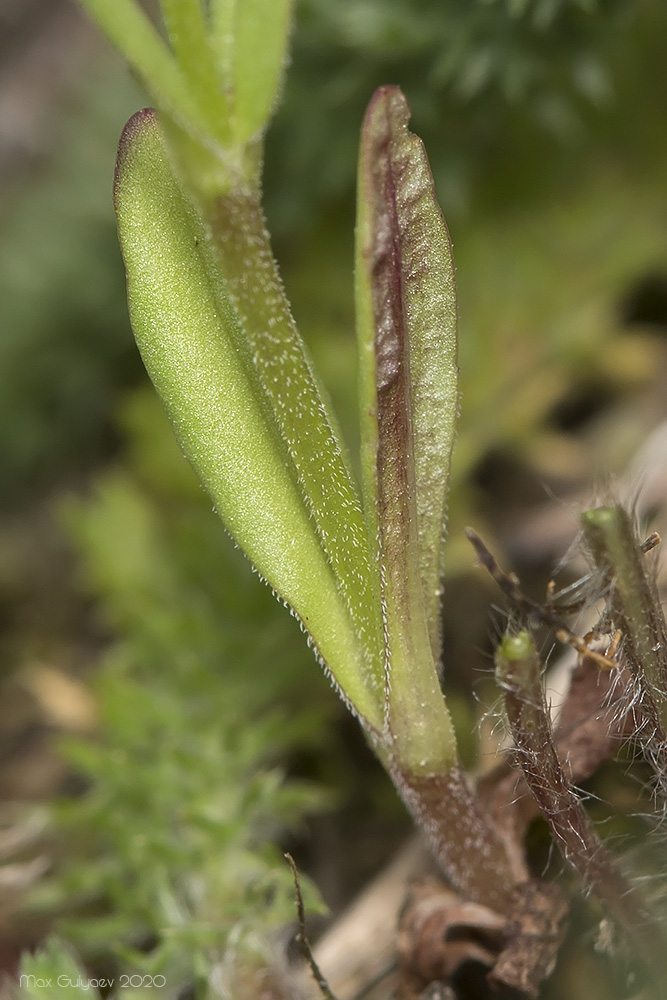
{"x":408,"y":332}
{"x":203,"y":367}
{"x":221,"y":15}
{"x":188,"y":33}
{"x":409,"y":395}
{"x":298,"y":403}
{"x":128,"y":27}
{"x":261,"y":31}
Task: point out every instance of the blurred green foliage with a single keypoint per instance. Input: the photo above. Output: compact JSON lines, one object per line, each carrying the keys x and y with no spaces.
{"x":52,"y":973}
{"x":203,"y":698}
{"x":505,"y":93}
{"x":66,"y":345}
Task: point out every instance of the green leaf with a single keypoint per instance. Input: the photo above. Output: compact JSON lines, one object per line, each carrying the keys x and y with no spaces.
{"x":130,"y":30}
{"x":221,"y":33}
{"x":304,"y":421}
{"x":199,"y":353}
{"x":187,"y":31}
{"x":261,"y":30}
{"x":406,"y":307}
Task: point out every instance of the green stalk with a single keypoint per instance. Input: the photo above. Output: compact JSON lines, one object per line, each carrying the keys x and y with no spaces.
{"x":261,"y":37}
{"x":221,"y":33}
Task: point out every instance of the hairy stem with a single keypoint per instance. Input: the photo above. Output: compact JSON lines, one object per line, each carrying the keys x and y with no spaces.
{"x":635,"y":609}
{"x":460,"y":835}
{"x":519,"y":672}
{"x":634,"y":600}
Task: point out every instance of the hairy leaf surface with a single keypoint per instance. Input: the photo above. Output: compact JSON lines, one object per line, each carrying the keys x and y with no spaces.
{"x":196,"y":350}
{"x":406,"y":307}
{"x":257,"y":68}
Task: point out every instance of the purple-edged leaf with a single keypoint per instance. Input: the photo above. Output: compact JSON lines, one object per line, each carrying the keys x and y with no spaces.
{"x":406,"y":307}
{"x":405,"y":279}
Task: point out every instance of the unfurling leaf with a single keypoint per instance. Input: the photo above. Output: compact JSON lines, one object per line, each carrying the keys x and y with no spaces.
{"x":406,"y":308}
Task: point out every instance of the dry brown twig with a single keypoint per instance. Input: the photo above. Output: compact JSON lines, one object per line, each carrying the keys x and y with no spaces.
{"x":302,"y":936}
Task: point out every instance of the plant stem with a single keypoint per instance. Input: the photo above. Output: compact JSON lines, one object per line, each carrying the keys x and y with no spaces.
{"x":636,"y":611}
{"x":633,"y":598}
{"x":519,"y":672}
{"x":460,"y":835}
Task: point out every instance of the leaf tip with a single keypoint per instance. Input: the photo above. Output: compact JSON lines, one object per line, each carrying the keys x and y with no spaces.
{"x":389,"y":95}
{"x":140,"y":120}
{"x":387,"y":110}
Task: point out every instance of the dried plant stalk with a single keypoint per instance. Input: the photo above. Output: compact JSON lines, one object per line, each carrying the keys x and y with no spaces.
{"x":519,"y":672}
{"x":635,"y":610}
